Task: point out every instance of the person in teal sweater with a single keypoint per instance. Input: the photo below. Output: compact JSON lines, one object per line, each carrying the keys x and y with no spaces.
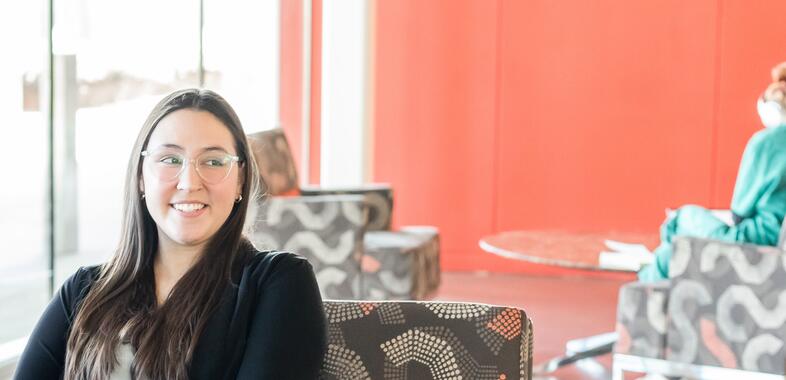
{"x":759,"y":201}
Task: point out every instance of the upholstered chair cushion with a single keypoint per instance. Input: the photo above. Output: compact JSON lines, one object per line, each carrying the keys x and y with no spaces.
{"x":402,"y":264}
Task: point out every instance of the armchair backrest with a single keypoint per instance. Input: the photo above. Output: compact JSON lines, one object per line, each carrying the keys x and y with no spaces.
{"x":327,"y":230}
{"x":415,"y":340}
{"x":277,"y":171}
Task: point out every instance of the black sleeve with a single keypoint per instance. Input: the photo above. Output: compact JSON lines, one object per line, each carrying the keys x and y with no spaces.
{"x":44,"y":355}
{"x":287,"y":337}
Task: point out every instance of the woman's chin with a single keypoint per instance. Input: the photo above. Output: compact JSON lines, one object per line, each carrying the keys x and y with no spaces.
{"x":188,"y":239}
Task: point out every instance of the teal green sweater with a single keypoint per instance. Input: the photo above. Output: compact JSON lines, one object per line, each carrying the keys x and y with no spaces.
{"x":759,"y":202}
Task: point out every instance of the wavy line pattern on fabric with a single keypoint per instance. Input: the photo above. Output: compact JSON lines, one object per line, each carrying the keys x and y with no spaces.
{"x":764,"y":344}
{"x":749,"y":301}
{"x":397,"y":285}
{"x":749,"y":273}
{"x":329,"y":276}
{"x":656,"y":311}
{"x":680,"y":258}
{"x":312,"y":220}
{"x":683,"y":292}
{"x":319,"y":249}
{"x":381,"y":207}
{"x":353,"y":212}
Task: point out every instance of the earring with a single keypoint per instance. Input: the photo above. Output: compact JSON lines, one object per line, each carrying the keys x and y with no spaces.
{"x":143,"y":195}
{"x":239,"y":198}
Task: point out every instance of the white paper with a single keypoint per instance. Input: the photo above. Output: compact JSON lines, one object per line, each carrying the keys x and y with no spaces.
{"x":623,"y":260}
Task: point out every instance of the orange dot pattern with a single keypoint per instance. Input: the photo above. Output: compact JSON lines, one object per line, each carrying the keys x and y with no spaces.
{"x":507,"y":323}
{"x":492,"y":340}
{"x":342,"y":312}
{"x":367,"y":307}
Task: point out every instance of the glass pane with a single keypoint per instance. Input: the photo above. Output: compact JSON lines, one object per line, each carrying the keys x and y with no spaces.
{"x":244,"y":71}
{"x":114,"y":60}
{"x":24,"y":275}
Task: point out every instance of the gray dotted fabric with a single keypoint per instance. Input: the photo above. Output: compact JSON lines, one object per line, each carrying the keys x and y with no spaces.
{"x":426,"y":340}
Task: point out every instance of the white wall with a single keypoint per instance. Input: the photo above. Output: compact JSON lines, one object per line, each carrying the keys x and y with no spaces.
{"x":344,"y":92}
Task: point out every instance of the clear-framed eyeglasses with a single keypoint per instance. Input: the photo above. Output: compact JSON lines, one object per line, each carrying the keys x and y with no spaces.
{"x":212,"y":166}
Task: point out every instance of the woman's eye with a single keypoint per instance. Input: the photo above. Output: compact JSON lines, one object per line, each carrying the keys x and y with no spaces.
{"x":213,"y":162}
{"x":171,"y":160}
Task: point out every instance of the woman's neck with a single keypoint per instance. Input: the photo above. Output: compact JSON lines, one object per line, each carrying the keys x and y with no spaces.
{"x":170,"y":264}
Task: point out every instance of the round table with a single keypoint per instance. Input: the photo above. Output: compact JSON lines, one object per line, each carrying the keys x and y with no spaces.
{"x":567,"y":250}
{"x":560,"y":248}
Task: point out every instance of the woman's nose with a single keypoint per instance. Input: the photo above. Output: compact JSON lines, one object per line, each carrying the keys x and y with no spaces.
{"x":189,"y":179}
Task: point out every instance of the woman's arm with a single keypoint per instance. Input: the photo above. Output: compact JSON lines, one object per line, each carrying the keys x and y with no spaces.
{"x":44,"y":355}
{"x":287,"y":338}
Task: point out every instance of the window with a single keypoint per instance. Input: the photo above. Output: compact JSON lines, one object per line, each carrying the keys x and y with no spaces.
{"x":24,"y":259}
{"x":112,"y":60}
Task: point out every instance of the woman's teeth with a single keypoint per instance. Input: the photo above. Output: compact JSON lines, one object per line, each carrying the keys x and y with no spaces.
{"x":188,"y":207}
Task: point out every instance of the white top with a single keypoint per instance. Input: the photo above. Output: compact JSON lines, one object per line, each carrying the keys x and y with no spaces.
{"x":125,"y":355}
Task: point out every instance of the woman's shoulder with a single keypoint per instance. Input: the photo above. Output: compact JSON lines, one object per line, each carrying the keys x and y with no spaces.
{"x":279,"y":259}
{"x":265,"y":265}
{"x":76,"y":286}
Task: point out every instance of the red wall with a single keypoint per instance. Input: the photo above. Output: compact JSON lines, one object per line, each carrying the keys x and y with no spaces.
{"x":291,"y":79}
{"x":571,"y":115}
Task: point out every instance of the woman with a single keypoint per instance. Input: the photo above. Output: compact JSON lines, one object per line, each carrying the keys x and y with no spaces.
{"x":759,"y":201}
{"x":186,"y":296}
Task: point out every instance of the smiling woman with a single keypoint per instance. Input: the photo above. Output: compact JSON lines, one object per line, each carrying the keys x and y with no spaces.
{"x":185,"y":295}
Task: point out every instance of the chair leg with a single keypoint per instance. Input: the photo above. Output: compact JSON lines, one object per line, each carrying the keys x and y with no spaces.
{"x":617,"y":373}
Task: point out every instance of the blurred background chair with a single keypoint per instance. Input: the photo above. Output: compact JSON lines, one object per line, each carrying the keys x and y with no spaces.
{"x":344,"y":232}
{"x":721,"y":315}
{"x":426,"y":340}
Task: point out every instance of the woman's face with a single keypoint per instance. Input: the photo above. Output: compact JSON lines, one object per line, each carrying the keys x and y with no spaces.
{"x":188,"y":209}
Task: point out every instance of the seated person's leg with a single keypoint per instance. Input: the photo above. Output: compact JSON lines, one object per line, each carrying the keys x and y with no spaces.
{"x":659,"y":269}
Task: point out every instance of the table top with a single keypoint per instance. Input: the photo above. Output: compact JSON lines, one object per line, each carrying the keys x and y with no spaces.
{"x":559,"y":248}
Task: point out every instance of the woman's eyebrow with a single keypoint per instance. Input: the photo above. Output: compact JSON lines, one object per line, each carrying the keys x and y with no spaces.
{"x":206,"y":149}
{"x":172,"y":146}
{"x":215,"y":147}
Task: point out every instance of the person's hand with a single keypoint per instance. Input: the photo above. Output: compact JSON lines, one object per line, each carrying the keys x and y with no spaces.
{"x":779,"y":72}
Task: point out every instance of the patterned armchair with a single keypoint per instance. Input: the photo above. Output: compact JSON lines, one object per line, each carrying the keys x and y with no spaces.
{"x":721,"y":315}
{"x":426,"y":340}
{"x":345,"y":233}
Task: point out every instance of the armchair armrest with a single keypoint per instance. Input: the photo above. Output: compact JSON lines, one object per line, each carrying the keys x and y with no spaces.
{"x":727,"y":306}
{"x":379,"y":197}
{"x":326,"y":230}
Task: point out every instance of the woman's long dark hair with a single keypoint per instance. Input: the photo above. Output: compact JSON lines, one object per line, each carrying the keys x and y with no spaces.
{"x":123,"y":298}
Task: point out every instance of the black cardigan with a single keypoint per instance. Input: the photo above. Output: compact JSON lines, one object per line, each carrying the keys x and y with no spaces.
{"x":271,"y":326}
